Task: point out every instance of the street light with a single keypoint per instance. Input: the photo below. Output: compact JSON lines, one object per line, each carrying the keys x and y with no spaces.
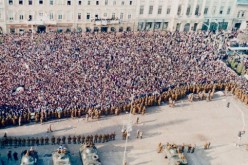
{"x":128,"y":129}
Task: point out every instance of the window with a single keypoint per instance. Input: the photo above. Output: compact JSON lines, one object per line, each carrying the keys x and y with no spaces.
{"x":160,"y":10}
{"x":97,"y":2}
{"x":60,"y":16}
{"x":30,"y":2}
{"x":206,"y":11}
{"x":20,"y":2}
{"x":79,"y":16}
{"x":150,"y":9}
{"x":188,"y":10}
{"x":51,"y":16}
{"x":105,"y":15}
{"x":168,"y":10}
{"x":12,"y":30}
{"x":21,"y":17}
{"x":121,"y":16}
{"x":51,"y":2}
{"x":106,"y":2}
{"x":238,"y":14}
{"x":88,"y":16}
{"x":30,"y":17}
{"x":141,"y":10}
{"x":10,"y":2}
{"x":40,"y":2}
{"x":221,"y":9}
{"x":214,"y":9}
{"x":197,"y":10}
{"x":179,"y":9}
{"x":129,"y":16}
{"x":79,"y":2}
{"x":114,"y":3}
{"x":243,"y":14}
{"x":11,"y":17}
{"x":113,"y":15}
{"x":131,"y":2}
{"x":69,"y":3}
{"x":88,"y":2}
{"x":122,"y":3}
{"x":229,"y":10}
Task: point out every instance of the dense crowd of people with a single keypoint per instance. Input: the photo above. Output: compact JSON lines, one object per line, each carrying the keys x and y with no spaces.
{"x":63,"y":71}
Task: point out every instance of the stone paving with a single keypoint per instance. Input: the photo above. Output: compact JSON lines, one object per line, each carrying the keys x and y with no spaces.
{"x":188,"y":123}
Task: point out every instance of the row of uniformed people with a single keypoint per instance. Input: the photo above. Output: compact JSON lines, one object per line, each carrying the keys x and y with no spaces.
{"x":101,"y":138}
{"x":138,"y":107}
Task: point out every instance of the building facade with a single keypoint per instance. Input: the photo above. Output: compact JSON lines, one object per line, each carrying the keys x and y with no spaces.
{"x":17,"y":16}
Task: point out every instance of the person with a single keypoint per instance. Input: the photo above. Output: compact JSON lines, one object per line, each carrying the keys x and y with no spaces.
{"x":9,"y":155}
{"x":49,"y":128}
{"x":137,"y":120}
{"x":15,"y":155}
{"x":193,"y":149}
{"x":138,"y":134}
{"x":141,"y":134}
{"x":228,"y":104}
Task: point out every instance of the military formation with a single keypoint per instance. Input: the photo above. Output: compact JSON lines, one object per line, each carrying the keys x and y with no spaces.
{"x":194,"y":92}
{"x":75,"y":139}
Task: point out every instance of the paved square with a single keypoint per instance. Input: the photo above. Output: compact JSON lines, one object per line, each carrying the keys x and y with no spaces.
{"x":188,"y":123}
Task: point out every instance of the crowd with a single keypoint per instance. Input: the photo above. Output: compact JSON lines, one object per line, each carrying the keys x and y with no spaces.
{"x":57,"y":72}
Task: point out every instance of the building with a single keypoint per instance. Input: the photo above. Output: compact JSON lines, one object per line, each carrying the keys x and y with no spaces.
{"x":186,"y":15}
{"x":17,"y":16}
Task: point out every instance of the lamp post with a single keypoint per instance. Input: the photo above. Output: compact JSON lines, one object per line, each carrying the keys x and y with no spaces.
{"x":128,"y":129}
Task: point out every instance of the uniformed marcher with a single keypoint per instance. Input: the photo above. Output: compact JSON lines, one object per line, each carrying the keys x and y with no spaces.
{"x":69,"y":139}
{"x":53,"y":140}
{"x":46,"y":140}
{"x":37,"y":141}
{"x":79,"y":139}
{"x":28,"y":141}
{"x":63,"y":139}
{"x":74,"y":139}
{"x":58,"y":140}
{"x":42,"y":140}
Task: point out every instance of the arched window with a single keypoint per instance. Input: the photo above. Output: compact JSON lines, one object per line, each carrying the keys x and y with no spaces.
{"x":188,"y":10}
{"x":179,"y":9}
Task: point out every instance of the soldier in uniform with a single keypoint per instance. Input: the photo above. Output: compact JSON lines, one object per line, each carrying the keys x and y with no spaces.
{"x":53,"y":140}
{"x":58,"y":140}
{"x":23,"y":141}
{"x":42,"y":140}
{"x":37,"y":141}
{"x":100,"y":138}
{"x":28,"y":141}
{"x":32,"y":141}
{"x":83,"y":139}
{"x":69,"y":139}
{"x":103,"y":138}
{"x":95,"y":138}
{"x":47,"y":140}
{"x":19,"y":141}
{"x":63,"y":139}
{"x":74,"y":139}
{"x":114,"y":136}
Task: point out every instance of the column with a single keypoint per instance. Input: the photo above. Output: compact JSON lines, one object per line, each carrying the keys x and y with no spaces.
{"x":203,"y":8}
{"x":194,"y":7}
{"x":174,"y":9}
{"x":185,"y":7}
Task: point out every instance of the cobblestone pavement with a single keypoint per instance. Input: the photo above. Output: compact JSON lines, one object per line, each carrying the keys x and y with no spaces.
{"x":188,"y":123}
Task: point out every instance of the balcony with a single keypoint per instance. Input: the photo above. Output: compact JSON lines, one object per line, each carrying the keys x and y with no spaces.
{"x":106,"y":21}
